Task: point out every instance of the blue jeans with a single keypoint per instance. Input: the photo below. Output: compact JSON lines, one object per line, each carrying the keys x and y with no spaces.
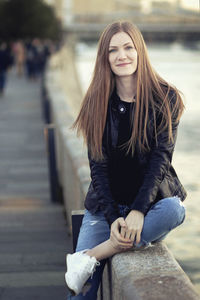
{"x":163,"y":216}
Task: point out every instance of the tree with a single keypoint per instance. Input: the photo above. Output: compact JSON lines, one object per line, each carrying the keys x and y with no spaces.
{"x":26,"y":19}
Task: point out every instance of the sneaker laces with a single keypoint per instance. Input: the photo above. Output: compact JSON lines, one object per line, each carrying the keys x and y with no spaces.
{"x":93,"y":269}
{"x":88,"y":267}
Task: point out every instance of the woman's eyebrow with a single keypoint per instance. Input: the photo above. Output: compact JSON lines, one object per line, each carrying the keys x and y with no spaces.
{"x":111,"y":46}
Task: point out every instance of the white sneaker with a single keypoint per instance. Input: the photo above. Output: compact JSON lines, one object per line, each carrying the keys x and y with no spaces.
{"x":80,"y":267}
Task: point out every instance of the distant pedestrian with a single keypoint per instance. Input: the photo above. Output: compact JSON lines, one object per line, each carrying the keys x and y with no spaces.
{"x":30,"y":58}
{"x":129,"y":118}
{"x":19,"y":52}
{"x":5,"y":62}
{"x":44,"y":55}
{"x":37,"y":54}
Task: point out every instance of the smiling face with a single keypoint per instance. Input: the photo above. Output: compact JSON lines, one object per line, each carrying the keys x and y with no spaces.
{"x":122,"y":55}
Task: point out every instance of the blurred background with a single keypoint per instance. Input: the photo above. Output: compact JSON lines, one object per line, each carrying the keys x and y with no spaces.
{"x":66,"y":32}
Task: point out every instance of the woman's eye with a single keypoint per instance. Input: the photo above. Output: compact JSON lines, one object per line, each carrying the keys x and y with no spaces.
{"x":129,"y":47}
{"x":111,"y":50}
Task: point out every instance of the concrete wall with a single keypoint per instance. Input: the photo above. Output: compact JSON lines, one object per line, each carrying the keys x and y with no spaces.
{"x":148,"y":274}
{"x":73,"y":171}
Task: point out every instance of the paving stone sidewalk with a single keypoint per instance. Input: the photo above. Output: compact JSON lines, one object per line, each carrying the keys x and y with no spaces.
{"x":33,"y":231}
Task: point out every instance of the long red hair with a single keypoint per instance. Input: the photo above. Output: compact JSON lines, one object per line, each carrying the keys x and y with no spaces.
{"x":91,"y":119}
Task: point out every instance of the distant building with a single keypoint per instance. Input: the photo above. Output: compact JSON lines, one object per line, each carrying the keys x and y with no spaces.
{"x":142,"y":11}
{"x":67,"y":10}
{"x":162,"y":5}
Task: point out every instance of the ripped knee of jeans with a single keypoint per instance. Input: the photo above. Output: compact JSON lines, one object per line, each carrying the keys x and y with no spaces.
{"x":92,"y":223}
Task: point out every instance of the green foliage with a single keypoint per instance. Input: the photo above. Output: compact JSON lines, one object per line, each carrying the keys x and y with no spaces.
{"x":22,"y":19}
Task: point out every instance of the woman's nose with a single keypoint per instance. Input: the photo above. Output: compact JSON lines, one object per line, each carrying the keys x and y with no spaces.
{"x":121,"y":54}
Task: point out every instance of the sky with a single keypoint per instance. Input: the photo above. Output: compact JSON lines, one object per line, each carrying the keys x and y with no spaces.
{"x":192,"y":4}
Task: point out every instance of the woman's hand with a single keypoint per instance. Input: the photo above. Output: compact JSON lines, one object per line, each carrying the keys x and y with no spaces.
{"x":134,"y":222}
{"x":117,"y":240}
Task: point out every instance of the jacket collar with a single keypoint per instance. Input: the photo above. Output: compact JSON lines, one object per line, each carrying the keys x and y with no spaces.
{"x":114,"y":100}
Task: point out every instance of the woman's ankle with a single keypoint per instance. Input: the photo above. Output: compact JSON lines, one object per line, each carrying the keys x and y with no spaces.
{"x":89,"y":252}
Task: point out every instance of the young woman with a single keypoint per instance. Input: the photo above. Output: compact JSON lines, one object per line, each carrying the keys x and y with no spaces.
{"x":129,"y":119}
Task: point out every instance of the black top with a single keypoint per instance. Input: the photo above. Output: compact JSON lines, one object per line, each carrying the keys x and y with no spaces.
{"x":151,"y":171}
{"x":125,"y":177}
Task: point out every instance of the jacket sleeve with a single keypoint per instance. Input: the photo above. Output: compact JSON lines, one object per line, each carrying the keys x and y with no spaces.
{"x":158,"y":163}
{"x":100,"y":182}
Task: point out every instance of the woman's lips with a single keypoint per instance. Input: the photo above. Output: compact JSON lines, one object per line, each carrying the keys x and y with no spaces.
{"x":123,"y":65}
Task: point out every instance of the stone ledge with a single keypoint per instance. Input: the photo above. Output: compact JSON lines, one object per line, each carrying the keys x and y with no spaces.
{"x":151,"y":273}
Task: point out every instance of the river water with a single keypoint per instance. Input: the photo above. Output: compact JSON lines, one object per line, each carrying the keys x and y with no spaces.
{"x":181,"y":67}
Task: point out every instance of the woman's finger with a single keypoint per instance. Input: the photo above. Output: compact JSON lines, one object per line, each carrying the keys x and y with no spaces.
{"x":138,"y":237}
{"x":122,"y":223}
{"x":133,"y":235}
{"x":117,"y":236}
{"x":126,"y":247}
{"x":128,"y":234}
{"x":117,"y":224}
{"x":122,"y":245}
{"x":123,"y":232}
{"x":119,"y":228}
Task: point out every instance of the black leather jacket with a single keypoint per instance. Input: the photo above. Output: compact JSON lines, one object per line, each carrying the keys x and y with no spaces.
{"x":159,"y":181}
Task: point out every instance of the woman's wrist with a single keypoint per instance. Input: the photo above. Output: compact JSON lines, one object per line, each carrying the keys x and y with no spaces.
{"x":134,"y":211}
